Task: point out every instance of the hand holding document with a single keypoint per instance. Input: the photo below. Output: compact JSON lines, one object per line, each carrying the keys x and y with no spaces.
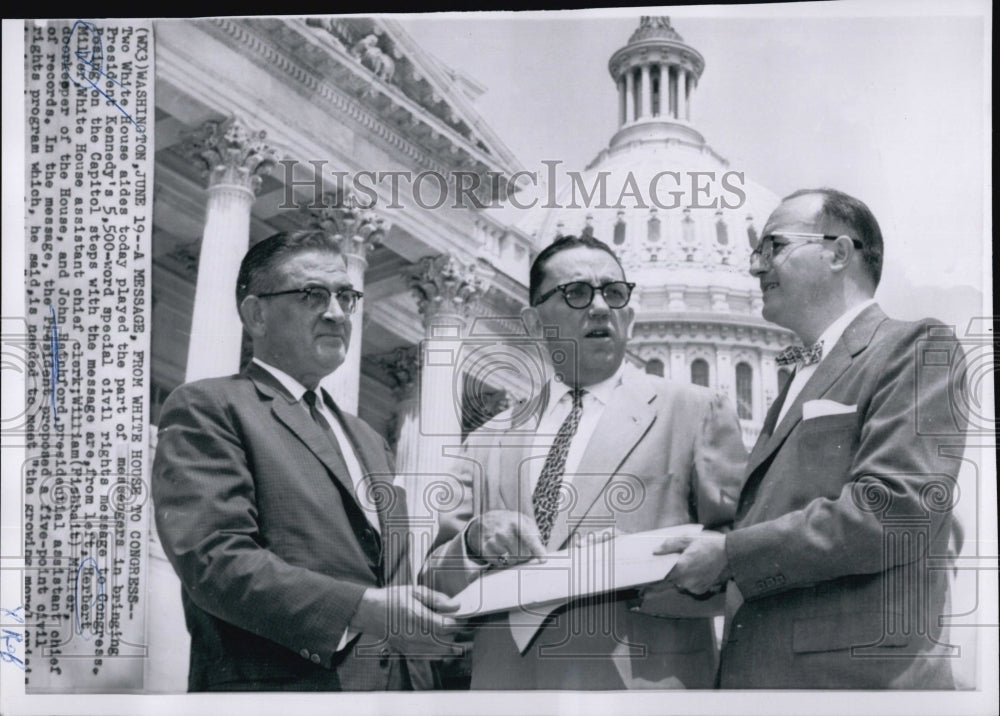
{"x":593,"y":564}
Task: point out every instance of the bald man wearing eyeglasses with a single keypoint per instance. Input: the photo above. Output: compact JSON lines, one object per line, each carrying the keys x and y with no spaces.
{"x":837,"y":566}
{"x":601,"y":449}
{"x":278,"y":511}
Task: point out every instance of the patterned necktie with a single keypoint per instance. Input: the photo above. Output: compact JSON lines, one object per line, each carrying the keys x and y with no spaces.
{"x":796,"y":354}
{"x":546,"y":496}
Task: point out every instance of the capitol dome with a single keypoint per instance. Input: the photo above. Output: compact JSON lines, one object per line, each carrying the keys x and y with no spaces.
{"x":683,"y":222}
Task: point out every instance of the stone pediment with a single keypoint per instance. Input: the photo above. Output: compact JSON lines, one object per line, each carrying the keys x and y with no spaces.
{"x":379,"y":64}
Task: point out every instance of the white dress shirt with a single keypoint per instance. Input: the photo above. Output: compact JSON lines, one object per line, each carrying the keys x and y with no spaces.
{"x":829,"y":337}
{"x":559,"y":404}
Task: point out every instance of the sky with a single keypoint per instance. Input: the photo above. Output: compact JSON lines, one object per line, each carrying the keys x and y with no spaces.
{"x":887,"y":101}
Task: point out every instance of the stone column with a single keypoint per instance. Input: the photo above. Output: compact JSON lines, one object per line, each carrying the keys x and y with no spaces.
{"x":688,"y":86}
{"x":234,"y":159}
{"x":664,"y":90}
{"x":646,"y":93}
{"x":674,"y":94}
{"x":621,"y":101}
{"x":357,"y":231}
{"x":725,"y":379}
{"x":446,"y":290}
{"x":678,"y":370}
{"x":403,"y":367}
{"x":629,"y":96}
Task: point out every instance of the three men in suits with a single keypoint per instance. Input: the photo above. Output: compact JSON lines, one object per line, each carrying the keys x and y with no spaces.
{"x":837,"y":564}
{"x":604,"y":449}
{"x":279,"y":512}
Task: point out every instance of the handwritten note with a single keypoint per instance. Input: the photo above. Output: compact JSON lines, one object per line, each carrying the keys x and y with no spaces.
{"x":88,"y":166}
{"x":11,"y":640}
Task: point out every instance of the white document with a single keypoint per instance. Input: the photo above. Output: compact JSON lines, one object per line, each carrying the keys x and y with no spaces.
{"x":593,"y":564}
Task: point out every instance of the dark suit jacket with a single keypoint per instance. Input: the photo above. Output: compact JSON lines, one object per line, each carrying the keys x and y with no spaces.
{"x":844,"y":521}
{"x":662,"y":454}
{"x":257,"y":514}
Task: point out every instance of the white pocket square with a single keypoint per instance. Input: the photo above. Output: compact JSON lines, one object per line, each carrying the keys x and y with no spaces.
{"x":819,"y":408}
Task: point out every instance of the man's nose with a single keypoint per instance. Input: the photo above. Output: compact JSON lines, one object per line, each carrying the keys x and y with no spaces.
{"x":599,"y":305}
{"x":757,"y":266}
{"x":334,"y":310}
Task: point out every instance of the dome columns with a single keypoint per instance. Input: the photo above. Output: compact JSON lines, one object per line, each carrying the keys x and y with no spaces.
{"x":655,"y":90}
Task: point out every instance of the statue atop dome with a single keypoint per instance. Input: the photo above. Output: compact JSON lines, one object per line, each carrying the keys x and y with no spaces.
{"x":651,"y":26}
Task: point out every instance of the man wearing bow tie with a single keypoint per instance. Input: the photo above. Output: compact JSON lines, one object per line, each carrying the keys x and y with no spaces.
{"x":836,"y":569}
{"x":278,"y":511}
{"x":602,"y":449}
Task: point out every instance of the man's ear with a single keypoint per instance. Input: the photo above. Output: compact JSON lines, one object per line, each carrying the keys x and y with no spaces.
{"x":843,"y":251}
{"x":629,"y":313}
{"x":252,"y":314}
{"x":532,"y":321}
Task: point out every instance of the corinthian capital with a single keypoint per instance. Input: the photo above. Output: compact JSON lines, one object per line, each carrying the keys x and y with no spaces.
{"x":402,"y":365}
{"x":356,"y":228}
{"x":443,"y":284}
{"x":230,"y":153}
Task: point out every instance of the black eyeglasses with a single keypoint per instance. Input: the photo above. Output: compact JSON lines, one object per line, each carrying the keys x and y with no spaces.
{"x":767,"y":248}
{"x":317,"y":298}
{"x":580,"y":294}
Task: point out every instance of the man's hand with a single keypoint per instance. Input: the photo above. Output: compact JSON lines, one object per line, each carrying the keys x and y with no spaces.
{"x":703,"y":566}
{"x":502,"y":538}
{"x":411,"y":619}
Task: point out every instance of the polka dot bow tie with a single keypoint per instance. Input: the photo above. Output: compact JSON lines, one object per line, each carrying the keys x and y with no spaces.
{"x":798,"y":355}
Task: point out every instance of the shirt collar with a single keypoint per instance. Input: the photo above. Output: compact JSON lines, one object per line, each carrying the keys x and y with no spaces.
{"x":836,"y":329}
{"x":290,"y":384}
{"x":602,"y":391}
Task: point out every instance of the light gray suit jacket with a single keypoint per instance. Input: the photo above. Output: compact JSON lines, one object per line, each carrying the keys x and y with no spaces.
{"x":662,"y":454}
{"x":840,"y":547}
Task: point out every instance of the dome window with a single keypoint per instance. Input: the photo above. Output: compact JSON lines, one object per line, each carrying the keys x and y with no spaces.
{"x":619,"y":238}
{"x":654,"y":366}
{"x":721,"y":230}
{"x":653,"y":226}
{"x":699,"y":372}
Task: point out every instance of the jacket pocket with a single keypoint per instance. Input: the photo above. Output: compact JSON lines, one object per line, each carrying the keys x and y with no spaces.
{"x":844,"y":631}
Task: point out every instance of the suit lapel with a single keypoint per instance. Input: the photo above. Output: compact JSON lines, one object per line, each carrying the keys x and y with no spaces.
{"x":768,"y":428}
{"x":855,"y":339}
{"x":625,"y":420}
{"x":294,"y":417}
{"x":513,"y":447}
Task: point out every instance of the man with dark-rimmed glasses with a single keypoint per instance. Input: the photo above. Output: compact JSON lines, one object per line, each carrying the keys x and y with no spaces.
{"x":836,"y":570}
{"x":278,"y":511}
{"x":603,"y":449}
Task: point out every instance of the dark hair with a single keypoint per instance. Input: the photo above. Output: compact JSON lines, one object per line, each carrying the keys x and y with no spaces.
{"x":562,"y":243}
{"x":856,"y":215}
{"x":259,"y":268}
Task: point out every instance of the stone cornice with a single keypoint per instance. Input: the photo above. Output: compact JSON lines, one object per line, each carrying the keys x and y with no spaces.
{"x":710,"y":327}
{"x":656,"y":51}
